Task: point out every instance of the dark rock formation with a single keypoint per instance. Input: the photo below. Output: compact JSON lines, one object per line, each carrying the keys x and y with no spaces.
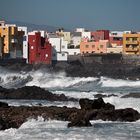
{"x":15,"y":116}
{"x":2,"y":104}
{"x":132,"y":95}
{"x":99,"y":103}
{"x":78,"y":119}
{"x":104,"y":96}
{"x":33,"y":92}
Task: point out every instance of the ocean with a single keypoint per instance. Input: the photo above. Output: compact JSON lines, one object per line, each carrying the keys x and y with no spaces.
{"x":76,"y":87}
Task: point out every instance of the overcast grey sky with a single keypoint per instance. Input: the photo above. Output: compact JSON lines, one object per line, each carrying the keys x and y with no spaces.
{"x":92,"y":14}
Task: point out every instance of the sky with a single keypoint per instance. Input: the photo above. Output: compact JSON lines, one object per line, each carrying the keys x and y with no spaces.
{"x":90,"y":14}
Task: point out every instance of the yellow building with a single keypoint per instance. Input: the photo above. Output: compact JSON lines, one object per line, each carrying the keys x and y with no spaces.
{"x":131,"y":43}
{"x":12,"y":40}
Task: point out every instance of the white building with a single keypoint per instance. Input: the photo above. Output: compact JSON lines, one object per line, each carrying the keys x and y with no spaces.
{"x":0,"y":47}
{"x":116,"y":34}
{"x":74,"y":51}
{"x":86,"y":35}
{"x":80,"y":30}
{"x":76,"y":38}
{"x":25,"y":42}
{"x":59,"y":48}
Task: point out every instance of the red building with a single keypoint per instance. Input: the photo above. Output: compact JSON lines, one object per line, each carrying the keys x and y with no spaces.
{"x":39,"y":49}
{"x":100,"y":35}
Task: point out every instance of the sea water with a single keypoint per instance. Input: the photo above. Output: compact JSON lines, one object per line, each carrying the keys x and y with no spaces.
{"x":75,"y":87}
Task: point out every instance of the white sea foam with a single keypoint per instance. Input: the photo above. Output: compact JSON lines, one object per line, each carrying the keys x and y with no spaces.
{"x":57,"y":130}
{"x":109,"y":82}
{"x":47,"y":80}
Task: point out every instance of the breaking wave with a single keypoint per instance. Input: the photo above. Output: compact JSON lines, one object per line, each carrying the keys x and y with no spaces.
{"x":42,"y":78}
{"x":57,"y":130}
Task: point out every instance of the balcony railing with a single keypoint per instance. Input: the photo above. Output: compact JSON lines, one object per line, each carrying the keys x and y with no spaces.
{"x":132,"y":42}
{"x":132,"y":49}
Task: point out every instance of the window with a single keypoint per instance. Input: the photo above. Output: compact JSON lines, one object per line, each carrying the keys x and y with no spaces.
{"x":63,"y":47}
{"x":63,"y":54}
{"x":24,"y":38}
{"x":86,"y":46}
{"x":134,"y":39}
{"x":127,"y":39}
{"x":101,"y":46}
{"x":93,"y":46}
{"x":46,"y":55}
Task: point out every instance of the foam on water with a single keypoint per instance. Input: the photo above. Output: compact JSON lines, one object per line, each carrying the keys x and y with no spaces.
{"x":109,"y":82}
{"x":57,"y":130}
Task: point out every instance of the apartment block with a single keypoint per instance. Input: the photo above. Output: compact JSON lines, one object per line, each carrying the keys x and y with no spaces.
{"x":99,"y":47}
{"x":59,"y":48}
{"x":40,"y":50}
{"x":116,"y":38}
{"x":1,"y":46}
{"x":100,"y":35}
{"x":131,"y":43}
{"x":12,"y":41}
{"x":25,"y":42}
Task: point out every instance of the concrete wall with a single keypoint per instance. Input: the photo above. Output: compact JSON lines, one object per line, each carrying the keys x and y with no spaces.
{"x":115,"y":50}
{"x":73,"y":51}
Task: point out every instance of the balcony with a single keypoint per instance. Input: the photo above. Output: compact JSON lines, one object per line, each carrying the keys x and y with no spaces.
{"x":131,"y":49}
{"x":132,"y":42}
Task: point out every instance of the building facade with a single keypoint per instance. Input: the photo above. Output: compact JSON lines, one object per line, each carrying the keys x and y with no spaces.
{"x":1,"y":46}
{"x":40,"y":50}
{"x":99,"y":47}
{"x":12,"y":41}
{"x":86,"y":36}
{"x":116,"y":38}
{"x":115,"y":50}
{"x":59,"y":48}
{"x":25,"y":42}
{"x":131,"y":43}
{"x":100,"y":35}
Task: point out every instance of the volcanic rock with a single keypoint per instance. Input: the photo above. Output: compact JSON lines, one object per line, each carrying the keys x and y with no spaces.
{"x":3,"y":104}
{"x":34,"y":93}
{"x":132,"y":95}
{"x":104,"y":96}
{"x":99,"y":103}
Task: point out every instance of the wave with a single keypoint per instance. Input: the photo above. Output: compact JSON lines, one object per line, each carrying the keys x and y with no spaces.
{"x":45,"y":79}
{"x":57,"y":130}
{"x":109,"y":82}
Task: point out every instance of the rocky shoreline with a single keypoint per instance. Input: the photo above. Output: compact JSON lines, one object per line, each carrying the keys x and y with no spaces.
{"x":32,"y":93}
{"x":14,"y":117}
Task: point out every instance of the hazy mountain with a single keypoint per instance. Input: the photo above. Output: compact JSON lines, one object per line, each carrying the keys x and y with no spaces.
{"x":34,"y":26}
